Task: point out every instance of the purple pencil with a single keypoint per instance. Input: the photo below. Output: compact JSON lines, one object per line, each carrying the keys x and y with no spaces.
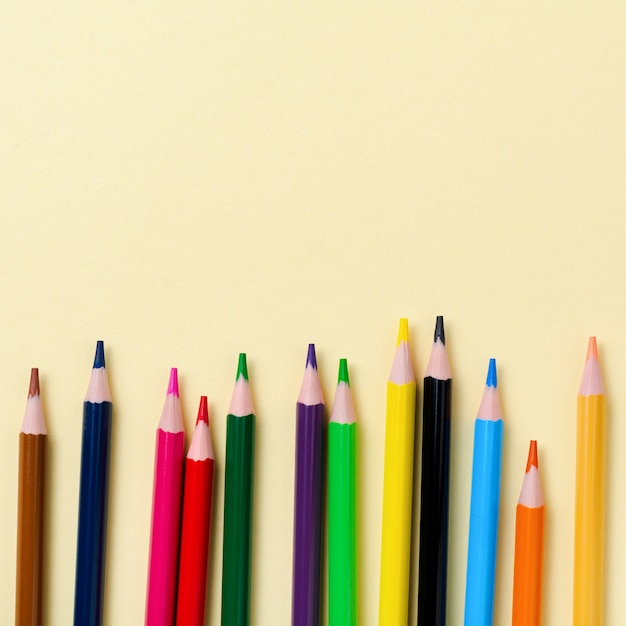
{"x":307,"y":533}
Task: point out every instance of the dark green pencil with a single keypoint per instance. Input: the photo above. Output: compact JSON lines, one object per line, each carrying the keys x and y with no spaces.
{"x":238,"y":501}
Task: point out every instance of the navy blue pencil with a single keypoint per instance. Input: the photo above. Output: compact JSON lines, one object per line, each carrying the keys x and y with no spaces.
{"x":93,"y":499}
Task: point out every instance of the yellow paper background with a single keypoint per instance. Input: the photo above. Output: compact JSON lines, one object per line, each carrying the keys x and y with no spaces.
{"x":191,"y":180}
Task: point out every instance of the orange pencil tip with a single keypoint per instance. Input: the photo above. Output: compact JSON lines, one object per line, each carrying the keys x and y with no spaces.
{"x":533,"y":459}
{"x":33,"y":388}
{"x":592,"y":349}
{"x":203,"y":411}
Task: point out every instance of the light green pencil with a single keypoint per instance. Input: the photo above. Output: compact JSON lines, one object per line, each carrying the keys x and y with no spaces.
{"x":342,"y":507}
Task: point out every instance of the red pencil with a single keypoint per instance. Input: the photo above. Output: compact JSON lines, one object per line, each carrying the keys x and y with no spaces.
{"x":196,"y":525}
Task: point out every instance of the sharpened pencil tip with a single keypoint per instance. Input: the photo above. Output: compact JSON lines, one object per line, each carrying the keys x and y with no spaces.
{"x":403,"y":331}
{"x":242,"y":367}
{"x":311,"y":357}
{"x":172,"y":387}
{"x":203,"y":410}
{"x":343,"y":372}
{"x":592,"y":349}
{"x":33,"y":388}
{"x":439,"y":330}
{"x":533,"y":459}
{"x":99,"y":358}
{"x":492,"y":376}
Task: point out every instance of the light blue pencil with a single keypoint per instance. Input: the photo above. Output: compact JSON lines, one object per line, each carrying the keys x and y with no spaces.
{"x":485,"y":501}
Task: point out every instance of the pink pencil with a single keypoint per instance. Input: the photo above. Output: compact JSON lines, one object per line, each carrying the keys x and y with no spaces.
{"x":166,"y":503}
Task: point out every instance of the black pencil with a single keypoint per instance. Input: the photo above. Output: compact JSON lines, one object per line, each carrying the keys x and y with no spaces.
{"x":433,"y":554}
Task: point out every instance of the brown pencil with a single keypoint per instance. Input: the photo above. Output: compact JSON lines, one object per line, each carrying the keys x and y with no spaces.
{"x":30,"y":505}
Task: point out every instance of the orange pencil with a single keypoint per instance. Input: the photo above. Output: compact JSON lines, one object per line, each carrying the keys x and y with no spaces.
{"x":528,"y":566}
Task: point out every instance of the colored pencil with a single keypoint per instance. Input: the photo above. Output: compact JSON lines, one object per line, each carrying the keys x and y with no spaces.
{"x":398,"y":486}
{"x":30,"y":509}
{"x":196,"y":524}
{"x":433,"y":553}
{"x":238,"y":502}
{"x":484,"y":506}
{"x":309,"y":481}
{"x":166,"y":502}
{"x":589,"y":510}
{"x":94,"y":497}
{"x":343,"y":570}
{"x":527,"y":572}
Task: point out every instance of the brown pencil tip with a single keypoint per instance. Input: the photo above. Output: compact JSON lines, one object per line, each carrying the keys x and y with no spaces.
{"x":592,"y":349}
{"x":532,"y":456}
{"x":33,"y":388}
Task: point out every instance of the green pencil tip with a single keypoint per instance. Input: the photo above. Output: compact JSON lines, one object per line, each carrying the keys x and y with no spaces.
{"x":242,"y":367}
{"x":343,"y":372}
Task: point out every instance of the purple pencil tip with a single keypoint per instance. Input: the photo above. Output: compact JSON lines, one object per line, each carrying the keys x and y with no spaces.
{"x":311,"y":359}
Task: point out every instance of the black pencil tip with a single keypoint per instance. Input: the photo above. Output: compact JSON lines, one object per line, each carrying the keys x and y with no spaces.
{"x":439,"y":331}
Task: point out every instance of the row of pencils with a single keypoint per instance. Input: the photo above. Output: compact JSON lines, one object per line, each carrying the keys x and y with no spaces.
{"x":183,"y":487}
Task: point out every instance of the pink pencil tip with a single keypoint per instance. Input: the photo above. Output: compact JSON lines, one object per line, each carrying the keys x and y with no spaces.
{"x":203,"y":410}
{"x":592,"y":349}
{"x":172,"y":388}
{"x":533,"y":459}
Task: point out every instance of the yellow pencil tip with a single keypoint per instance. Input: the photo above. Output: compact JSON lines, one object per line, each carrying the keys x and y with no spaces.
{"x":592,"y":349}
{"x":403,"y":331}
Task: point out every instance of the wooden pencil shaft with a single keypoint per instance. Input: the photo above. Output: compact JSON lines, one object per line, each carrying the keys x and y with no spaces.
{"x":589,"y":511}
{"x":195,"y":535}
{"x":342,"y":525}
{"x":433,"y":552}
{"x":527,"y":575}
{"x":309,"y":489}
{"x":30,"y":529}
{"x":397,"y":504}
{"x":92,"y":514}
{"x":238,"y":505}
{"x":483,"y":526}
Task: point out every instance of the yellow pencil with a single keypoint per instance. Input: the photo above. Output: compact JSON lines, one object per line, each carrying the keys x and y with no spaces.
{"x":589,"y":520}
{"x":398,"y":486}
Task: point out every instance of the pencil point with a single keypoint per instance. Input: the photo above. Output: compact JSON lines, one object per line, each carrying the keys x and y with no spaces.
{"x":311,"y":357}
{"x":533,"y":459}
{"x":403,"y":331}
{"x":203,"y":410}
{"x":242,"y":367}
{"x":592,"y":349}
{"x":439,"y":330}
{"x":33,"y":388}
{"x":492,"y":376}
{"x":99,"y":358}
{"x":343,"y":372}
{"x":172,"y":387}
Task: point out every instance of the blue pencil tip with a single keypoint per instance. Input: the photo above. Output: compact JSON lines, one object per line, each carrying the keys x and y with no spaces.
{"x":311,"y":359}
{"x":99,"y":358}
{"x":492,"y":376}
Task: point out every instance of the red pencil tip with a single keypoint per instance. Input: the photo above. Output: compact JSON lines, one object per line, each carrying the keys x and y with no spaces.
{"x":592,"y":349}
{"x":33,"y":388}
{"x":203,"y":411}
{"x":533,"y":459}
